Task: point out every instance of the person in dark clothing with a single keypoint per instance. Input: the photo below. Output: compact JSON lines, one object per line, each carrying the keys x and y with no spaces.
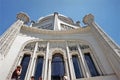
{"x":32,"y":78}
{"x":40,"y":78}
{"x":16,"y":73}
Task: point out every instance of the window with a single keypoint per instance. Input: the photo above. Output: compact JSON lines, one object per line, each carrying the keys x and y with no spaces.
{"x":58,"y":70}
{"x":91,"y":65}
{"x":24,"y":64}
{"x":39,"y":65}
{"x":77,"y":67}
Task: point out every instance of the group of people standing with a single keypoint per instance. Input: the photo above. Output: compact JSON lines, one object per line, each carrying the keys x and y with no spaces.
{"x":17,"y":72}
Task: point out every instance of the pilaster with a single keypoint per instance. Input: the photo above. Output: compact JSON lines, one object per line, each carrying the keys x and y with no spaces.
{"x":56,"y":24}
{"x":72,"y":75}
{"x":67,"y":69}
{"x":114,"y":55}
{"x":46,"y":63}
{"x":31,"y":68}
{"x":8,"y":37}
{"x":83,"y":62}
{"x":49,"y":70}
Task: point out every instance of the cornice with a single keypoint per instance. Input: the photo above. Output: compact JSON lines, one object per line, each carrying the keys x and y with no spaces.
{"x":53,"y":32}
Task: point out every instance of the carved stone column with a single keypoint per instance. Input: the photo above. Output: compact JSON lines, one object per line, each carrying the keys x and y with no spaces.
{"x":31,"y":67}
{"x":34,"y":65}
{"x":67,"y":69}
{"x":46,"y":63}
{"x":49,"y":70}
{"x":72,"y":75}
{"x":114,"y":55}
{"x":83,"y":62}
{"x":56,"y":22}
{"x":20,"y":60}
{"x":8,"y":37}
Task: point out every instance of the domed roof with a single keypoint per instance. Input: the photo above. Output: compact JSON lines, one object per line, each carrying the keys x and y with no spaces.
{"x":60,"y":16}
{"x":55,"y":22}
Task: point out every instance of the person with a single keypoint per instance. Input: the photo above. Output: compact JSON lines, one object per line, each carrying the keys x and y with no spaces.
{"x":16,"y":73}
{"x":32,"y":78}
{"x":40,"y":78}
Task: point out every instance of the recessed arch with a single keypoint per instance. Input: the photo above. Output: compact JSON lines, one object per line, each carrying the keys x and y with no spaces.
{"x":57,"y":67}
{"x":57,"y":50}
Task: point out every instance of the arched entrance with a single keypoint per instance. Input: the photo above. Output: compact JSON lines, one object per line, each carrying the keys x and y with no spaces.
{"x":57,"y":67}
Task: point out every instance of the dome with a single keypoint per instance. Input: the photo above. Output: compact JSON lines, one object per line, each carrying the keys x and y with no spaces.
{"x":54,"y":22}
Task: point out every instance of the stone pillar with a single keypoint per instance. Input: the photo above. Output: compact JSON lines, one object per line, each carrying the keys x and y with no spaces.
{"x":49,"y":70}
{"x":83,"y":62}
{"x":67,"y":69}
{"x":89,"y":20}
{"x":31,"y":67}
{"x":20,"y":59}
{"x":43,"y":69}
{"x":109,"y":45}
{"x":72,"y":75}
{"x":34,"y":65}
{"x":46,"y":63}
{"x":56,"y":22}
{"x":8,"y":37}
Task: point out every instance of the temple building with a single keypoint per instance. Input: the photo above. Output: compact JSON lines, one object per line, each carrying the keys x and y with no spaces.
{"x":54,"y":47}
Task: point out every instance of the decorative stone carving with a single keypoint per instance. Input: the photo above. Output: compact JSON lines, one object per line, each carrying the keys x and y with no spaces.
{"x":30,"y":47}
{"x":88,"y":19}
{"x":23,"y":16}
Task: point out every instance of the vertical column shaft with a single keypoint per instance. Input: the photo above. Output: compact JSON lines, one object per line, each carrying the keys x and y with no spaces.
{"x":72,"y":75}
{"x":49,"y":71}
{"x":33,"y":69}
{"x":83,"y":61}
{"x":9,"y":36}
{"x":67,"y":69}
{"x":56,"y":22}
{"x":29,"y":74}
{"x":115,"y":60}
{"x":46,"y":63}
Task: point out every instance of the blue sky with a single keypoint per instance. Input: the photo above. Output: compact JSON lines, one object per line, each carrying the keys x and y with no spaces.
{"x":106,"y":12}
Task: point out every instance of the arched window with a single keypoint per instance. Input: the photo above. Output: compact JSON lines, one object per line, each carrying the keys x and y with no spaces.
{"x":24,"y":64}
{"x":91,"y":65}
{"x":38,"y":69}
{"x":58,"y":69}
{"x":77,"y":67}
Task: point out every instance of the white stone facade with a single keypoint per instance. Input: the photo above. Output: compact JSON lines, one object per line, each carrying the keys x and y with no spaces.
{"x":58,"y":34}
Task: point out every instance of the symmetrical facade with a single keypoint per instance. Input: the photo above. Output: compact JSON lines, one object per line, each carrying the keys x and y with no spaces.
{"x":55,"y":46}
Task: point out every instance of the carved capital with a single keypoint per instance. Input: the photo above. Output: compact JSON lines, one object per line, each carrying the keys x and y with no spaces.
{"x":88,"y":19}
{"x":23,"y":16}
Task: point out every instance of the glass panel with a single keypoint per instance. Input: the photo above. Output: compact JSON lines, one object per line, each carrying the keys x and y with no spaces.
{"x":39,"y":65}
{"x":57,"y":67}
{"x":24,"y":64}
{"x":91,"y":65}
{"x":77,"y":67}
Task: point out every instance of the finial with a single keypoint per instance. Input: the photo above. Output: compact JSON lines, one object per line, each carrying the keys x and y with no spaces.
{"x":88,"y":19}
{"x":78,"y":23}
{"x":55,"y":13}
{"x":23,"y":16}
